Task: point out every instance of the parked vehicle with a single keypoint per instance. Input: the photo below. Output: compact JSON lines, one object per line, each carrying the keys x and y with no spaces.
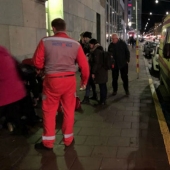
{"x":164,"y":54}
{"x":145,"y":46}
{"x":155,"y":58}
{"x":149,"y":49}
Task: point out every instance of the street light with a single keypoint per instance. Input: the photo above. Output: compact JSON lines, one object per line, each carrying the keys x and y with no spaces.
{"x":148,"y":19}
{"x":150,"y":13}
{"x":167,"y":13}
{"x":157,"y":1}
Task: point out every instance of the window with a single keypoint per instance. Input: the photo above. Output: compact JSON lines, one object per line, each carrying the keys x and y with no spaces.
{"x":98,"y":27}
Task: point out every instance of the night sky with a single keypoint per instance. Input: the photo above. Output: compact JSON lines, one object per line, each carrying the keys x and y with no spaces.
{"x":158,"y":12}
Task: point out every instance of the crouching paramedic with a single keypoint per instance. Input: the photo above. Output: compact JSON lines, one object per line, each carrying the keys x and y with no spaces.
{"x":58,"y":55}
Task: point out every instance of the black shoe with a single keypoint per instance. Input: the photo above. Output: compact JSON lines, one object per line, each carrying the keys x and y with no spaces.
{"x":93,"y":98}
{"x":127,"y":93}
{"x":85,"y":100}
{"x":40,"y":146}
{"x":114,"y":93}
{"x":100,"y":104}
{"x":69,"y":146}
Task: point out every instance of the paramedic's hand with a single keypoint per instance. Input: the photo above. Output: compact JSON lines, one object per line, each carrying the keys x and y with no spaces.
{"x":93,"y":76}
{"x":84,"y":87}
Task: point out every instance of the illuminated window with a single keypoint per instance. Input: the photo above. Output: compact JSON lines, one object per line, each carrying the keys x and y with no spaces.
{"x":54,"y":9}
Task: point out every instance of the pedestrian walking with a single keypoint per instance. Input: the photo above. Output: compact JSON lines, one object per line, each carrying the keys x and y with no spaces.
{"x":118,"y":48}
{"x":57,"y":55}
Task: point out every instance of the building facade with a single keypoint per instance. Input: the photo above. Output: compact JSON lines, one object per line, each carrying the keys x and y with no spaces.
{"x":116,"y":19}
{"x":24,"y":22}
{"x":132,"y":14}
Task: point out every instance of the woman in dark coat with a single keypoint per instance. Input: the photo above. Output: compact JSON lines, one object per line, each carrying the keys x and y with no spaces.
{"x":99,"y":73}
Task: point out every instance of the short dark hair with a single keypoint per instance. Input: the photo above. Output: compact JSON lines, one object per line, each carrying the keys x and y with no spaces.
{"x":59,"y":24}
{"x":93,"y":41}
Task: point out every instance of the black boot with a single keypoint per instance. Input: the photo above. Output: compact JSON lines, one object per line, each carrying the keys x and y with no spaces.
{"x":85,"y":100}
{"x":94,"y":97}
{"x":40,"y":146}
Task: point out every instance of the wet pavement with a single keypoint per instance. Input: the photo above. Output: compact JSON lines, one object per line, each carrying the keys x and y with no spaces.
{"x":123,"y":135}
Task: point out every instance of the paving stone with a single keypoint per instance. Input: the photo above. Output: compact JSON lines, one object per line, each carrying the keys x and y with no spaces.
{"x":133,"y":108}
{"x":146,"y":109}
{"x":110,"y":132}
{"x":131,"y":118}
{"x":33,"y":139}
{"x":130,"y":133}
{"x":79,"y":140}
{"x":104,"y":151}
{"x":76,"y":131}
{"x":33,"y":162}
{"x":118,"y":141}
{"x":83,"y":124}
{"x":122,"y":125}
{"x":86,"y":163}
{"x":140,"y":104}
{"x":139,"y":125}
{"x":89,"y":131}
{"x":59,"y":150}
{"x":146,"y":101}
{"x":102,"y":124}
{"x":120,"y":112}
{"x":96,"y":140}
{"x":126,"y":152}
{"x":134,"y":142}
{"x":54,"y":163}
{"x":112,"y":163}
{"x":114,"y":118}
{"x":84,"y":150}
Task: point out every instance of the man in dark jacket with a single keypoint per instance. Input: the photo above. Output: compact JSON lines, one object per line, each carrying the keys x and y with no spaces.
{"x":87,"y":36}
{"x":98,"y":72}
{"x":121,"y":54}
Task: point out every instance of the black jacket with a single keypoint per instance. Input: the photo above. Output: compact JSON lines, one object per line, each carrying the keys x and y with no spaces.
{"x":96,"y":65}
{"x":120,"y":53}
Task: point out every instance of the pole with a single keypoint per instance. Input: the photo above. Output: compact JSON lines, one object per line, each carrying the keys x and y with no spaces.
{"x":137,"y":42}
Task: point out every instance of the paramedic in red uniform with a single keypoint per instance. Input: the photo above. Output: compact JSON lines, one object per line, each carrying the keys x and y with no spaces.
{"x":58,"y":56}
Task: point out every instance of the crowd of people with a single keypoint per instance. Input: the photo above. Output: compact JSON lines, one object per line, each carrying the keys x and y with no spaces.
{"x":51,"y":72}
{"x":98,"y":74}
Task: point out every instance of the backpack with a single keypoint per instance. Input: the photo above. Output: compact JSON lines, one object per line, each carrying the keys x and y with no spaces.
{"x":108,"y":60}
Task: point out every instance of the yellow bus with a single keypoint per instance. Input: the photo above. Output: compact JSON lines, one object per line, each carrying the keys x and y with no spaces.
{"x":164,"y":54}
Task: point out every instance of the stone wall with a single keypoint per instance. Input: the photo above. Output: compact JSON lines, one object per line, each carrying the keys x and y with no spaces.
{"x":80,"y":16}
{"x":22,"y":25}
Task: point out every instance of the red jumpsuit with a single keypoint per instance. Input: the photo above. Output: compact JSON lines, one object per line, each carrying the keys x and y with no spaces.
{"x":58,"y":55}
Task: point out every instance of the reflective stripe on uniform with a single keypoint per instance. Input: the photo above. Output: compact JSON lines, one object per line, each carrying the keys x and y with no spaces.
{"x":60,"y":39}
{"x":68,"y":135}
{"x":48,"y":137}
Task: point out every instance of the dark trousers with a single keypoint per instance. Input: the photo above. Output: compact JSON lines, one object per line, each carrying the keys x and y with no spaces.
{"x":14,"y":111}
{"x":103,"y":92}
{"x":89,"y":85}
{"x":124,"y":76}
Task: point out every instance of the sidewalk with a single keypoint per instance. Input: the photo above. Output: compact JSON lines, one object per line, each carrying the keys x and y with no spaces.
{"x":124,"y":135}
